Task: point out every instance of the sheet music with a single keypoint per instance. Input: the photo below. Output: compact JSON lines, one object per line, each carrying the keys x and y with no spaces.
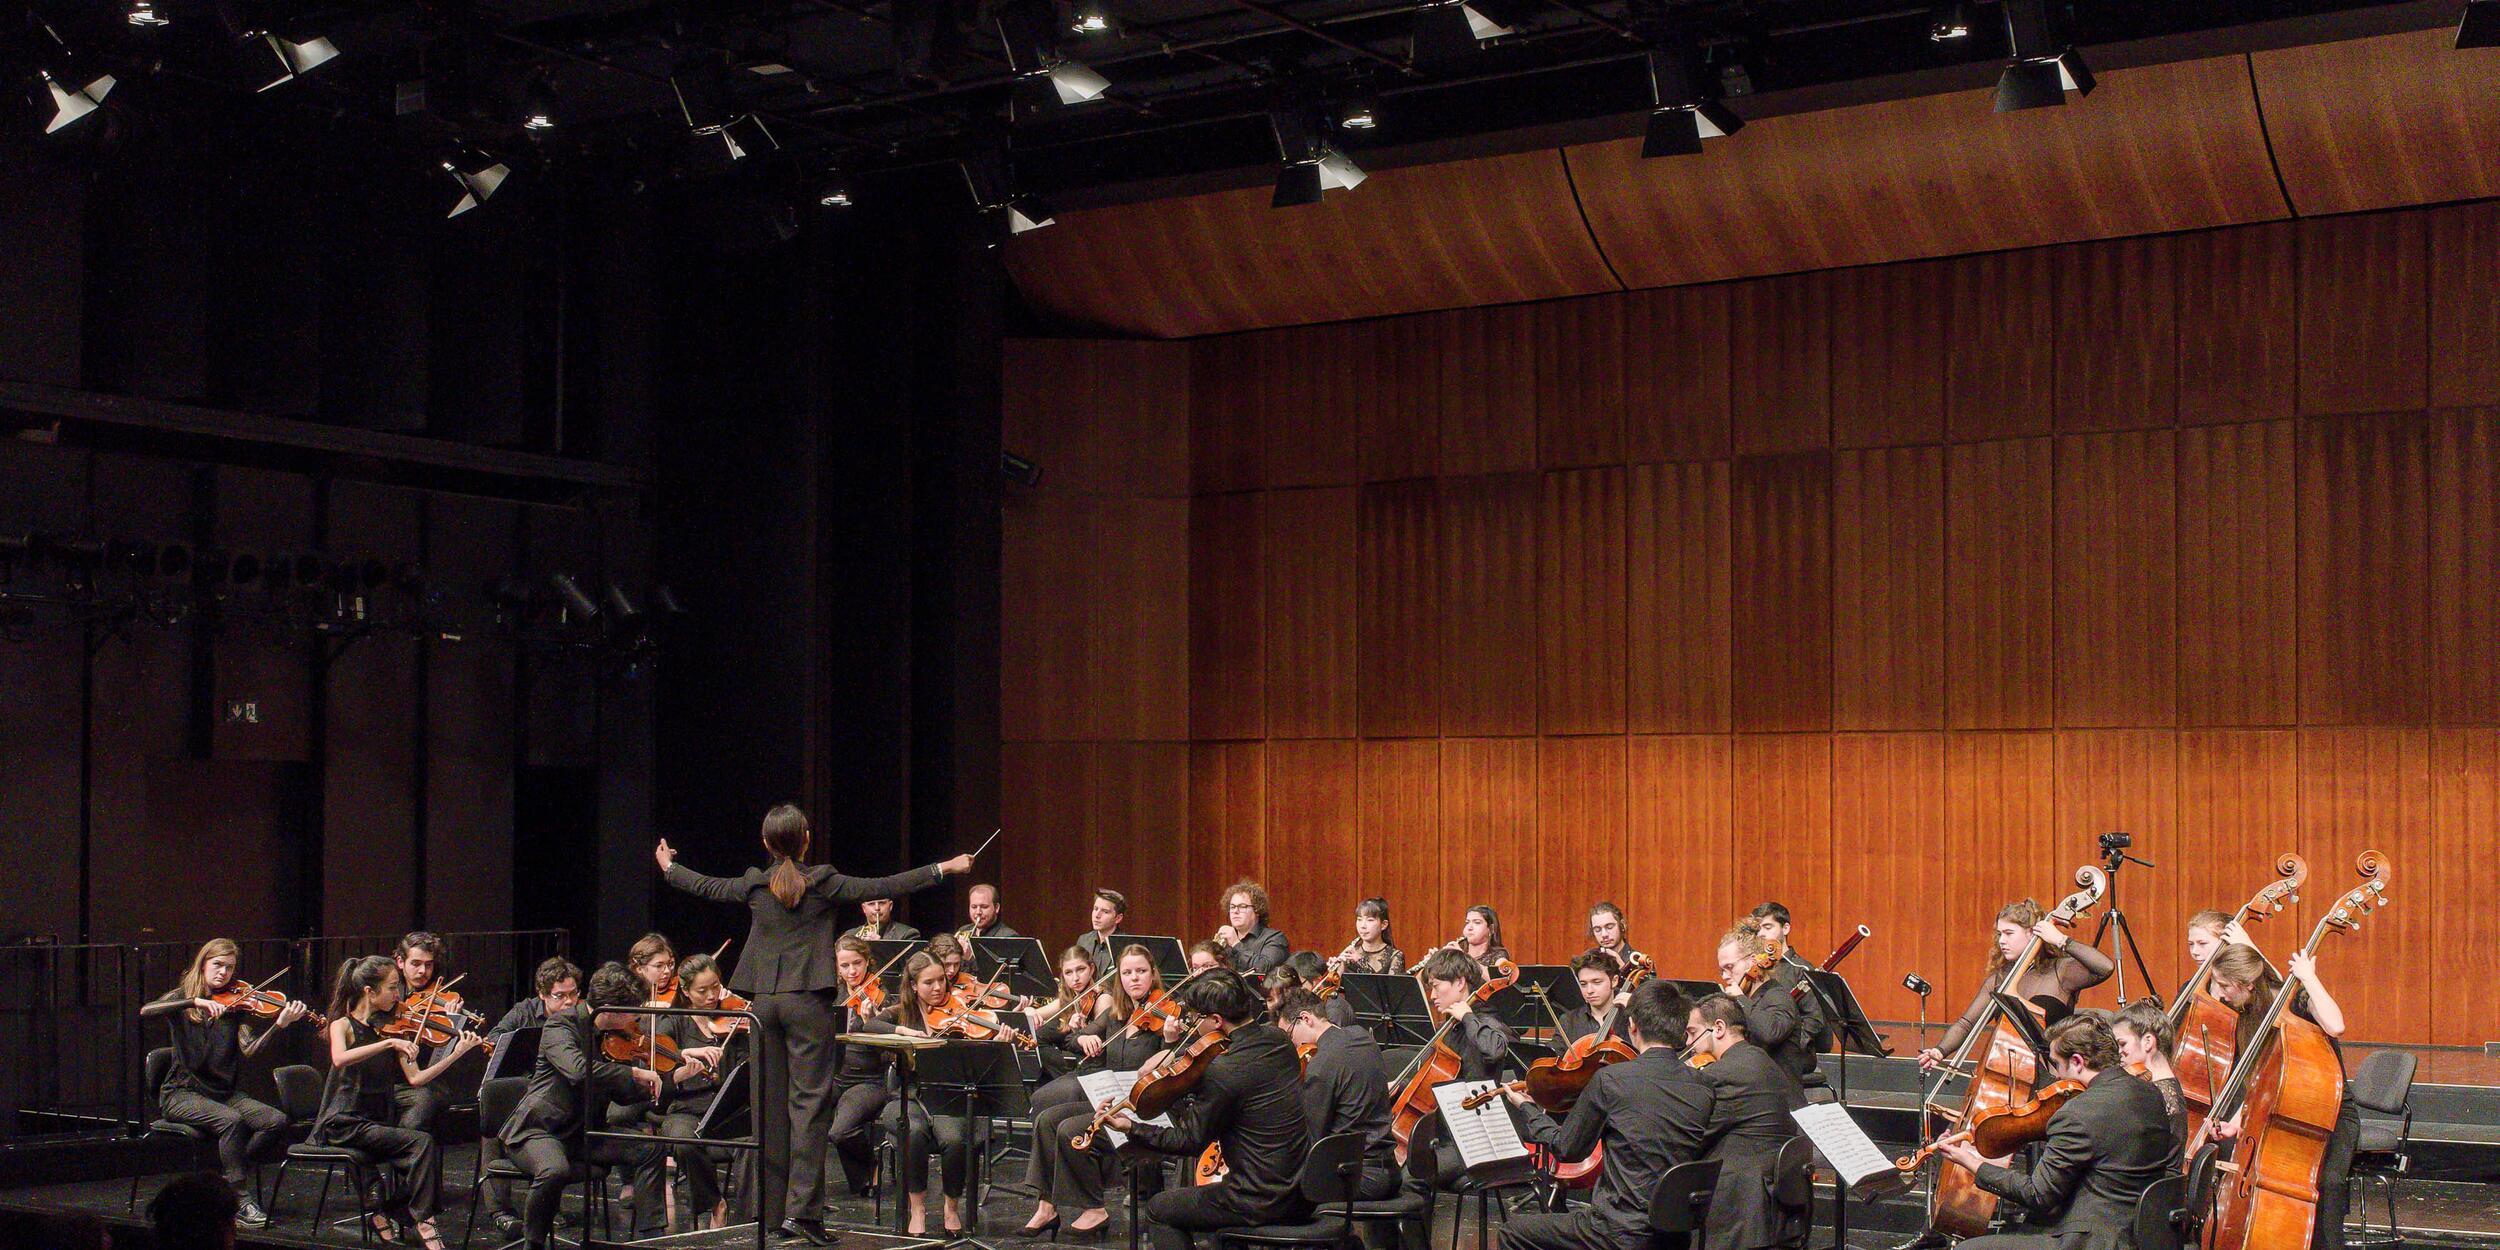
{"x":1852,"y":1154}
{"x":1102,"y":1087}
{"x":1484,"y":1135}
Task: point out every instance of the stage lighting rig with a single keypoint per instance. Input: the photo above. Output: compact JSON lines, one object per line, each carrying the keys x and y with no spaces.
{"x":1681,"y":116}
{"x":2044,"y":69}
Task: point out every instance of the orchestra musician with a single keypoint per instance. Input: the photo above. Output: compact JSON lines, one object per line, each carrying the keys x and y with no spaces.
{"x":926,"y":1000}
{"x":981,"y":904}
{"x":1342,"y":1090}
{"x":559,"y":985}
{"x":1480,"y":938}
{"x":707,"y":1057}
{"x":653,"y":961}
{"x":859,"y":1082}
{"x":1067,"y":1037}
{"x":1373,"y":949}
{"x":882,"y":926}
{"x":1101,"y":940}
{"x":1777,"y":1019}
{"x":1609,"y":932}
{"x":786,"y":969}
{"x":1250,"y":1103}
{"x":359,"y":1109}
{"x":419,"y":957}
{"x":1773,"y":919}
{"x":2146,"y":1039}
{"x":1309,"y":970}
{"x":1650,"y":1113}
{"x":1751,"y":1096}
{"x":1064,"y":1178}
{"x":210,"y":1044}
{"x":569,"y":1091}
{"x":2064,"y":969}
{"x":2210,"y":931}
{"x":1245,"y":942}
{"x":1205,"y":956}
{"x":1481,"y":1039}
{"x":1602,"y":1005}
{"x":2105,"y":1147}
{"x":2248,"y":985}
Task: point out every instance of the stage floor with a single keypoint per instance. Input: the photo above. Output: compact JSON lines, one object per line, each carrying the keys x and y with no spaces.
{"x":2433,"y":1213}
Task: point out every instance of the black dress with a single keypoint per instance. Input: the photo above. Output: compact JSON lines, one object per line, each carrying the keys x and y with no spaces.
{"x":358,"y":1111}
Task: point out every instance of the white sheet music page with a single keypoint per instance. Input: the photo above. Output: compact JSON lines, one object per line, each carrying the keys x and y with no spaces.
{"x":1852,"y":1154}
{"x":1101,"y":1087}
{"x":1484,"y":1135}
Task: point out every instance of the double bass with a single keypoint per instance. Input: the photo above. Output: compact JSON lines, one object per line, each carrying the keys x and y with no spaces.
{"x":2287,"y":1087}
{"x":2205,"y":1030}
{"x":2006,"y":1075}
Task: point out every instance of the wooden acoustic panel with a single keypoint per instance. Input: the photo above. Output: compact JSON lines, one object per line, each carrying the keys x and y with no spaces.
{"x":2465,"y":567}
{"x":1678,"y":885}
{"x":2370,"y":789}
{"x":1888,"y":802}
{"x":1490,"y":231}
{"x":2238,"y":618}
{"x":2465,"y":823}
{"x":2374,"y":123}
{"x":2156,"y":149}
{"x":1313,"y":802}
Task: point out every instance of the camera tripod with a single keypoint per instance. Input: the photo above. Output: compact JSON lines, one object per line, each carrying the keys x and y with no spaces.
{"x":2114,"y":856}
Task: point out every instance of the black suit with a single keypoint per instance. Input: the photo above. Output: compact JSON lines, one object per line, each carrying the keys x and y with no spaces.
{"x":1250,"y":1103}
{"x":1651,"y":1113}
{"x":1342,"y":1093}
{"x":786,"y":968}
{"x":2105,"y":1147}
{"x":1784,"y":1024}
{"x":569,"y":1090}
{"x":1750,"y":1098}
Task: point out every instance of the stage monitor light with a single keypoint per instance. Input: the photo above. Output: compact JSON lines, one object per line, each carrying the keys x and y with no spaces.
{"x":834,"y":192}
{"x":1091,"y":17}
{"x":144,"y":14}
{"x":294,"y":59}
{"x":538,"y":105}
{"x":67,"y":105}
{"x":1948,"y":21}
{"x":478,"y":179}
{"x":2479,"y":27}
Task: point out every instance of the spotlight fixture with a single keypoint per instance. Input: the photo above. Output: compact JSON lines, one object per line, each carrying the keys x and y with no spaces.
{"x":144,"y":14}
{"x":478,"y":175}
{"x":1451,"y":30}
{"x":2044,"y":69}
{"x":667,"y":601}
{"x":68,"y":105}
{"x":1091,"y":17}
{"x":1046,"y":78}
{"x":622,"y":605}
{"x":1357,"y":114}
{"x":1947,"y":21}
{"x":574,"y":598}
{"x":1311,"y":166}
{"x":292,"y":58}
{"x":2480,"y":25}
{"x":1019,"y":469}
{"x":538,"y":105}
{"x":993,"y":183}
{"x":834,"y":191}
{"x":1681,"y":117}
{"x":722,"y":126}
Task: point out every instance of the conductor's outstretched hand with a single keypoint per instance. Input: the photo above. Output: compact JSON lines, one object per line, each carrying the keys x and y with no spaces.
{"x":664,"y":854}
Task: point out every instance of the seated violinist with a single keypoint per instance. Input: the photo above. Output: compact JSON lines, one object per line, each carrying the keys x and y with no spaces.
{"x":419,"y":958}
{"x":1750,"y":1098}
{"x":2063,"y":969}
{"x":1205,"y":956}
{"x":1650,"y":1114}
{"x":210,"y":1043}
{"x":1602,"y":1001}
{"x":568,"y":1094}
{"x":929,"y":1009}
{"x":1064,"y":1177}
{"x":1777,"y":1019}
{"x":2248,"y":985}
{"x":2105,"y":1147}
{"x":859,"y":1090}
{"x":2146,"y":1039}
{"x":709,"y":1048}
{"x":559,"y":985}
{"x":1341,"y":1089}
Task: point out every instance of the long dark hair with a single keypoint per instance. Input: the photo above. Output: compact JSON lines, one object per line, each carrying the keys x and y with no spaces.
{"x":1492,"y":929}
{"x":785,"y":835}
{"x":358,"y":975}
{"x":909,"y":999}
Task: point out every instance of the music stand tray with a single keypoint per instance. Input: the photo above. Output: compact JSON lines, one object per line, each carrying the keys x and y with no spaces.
{"x":1553,"y":986}
{"x":1170,"y":957}
{"x":1019,"y":963}
{"x":1387,"y":1003}
{"x":1853,"y":1030}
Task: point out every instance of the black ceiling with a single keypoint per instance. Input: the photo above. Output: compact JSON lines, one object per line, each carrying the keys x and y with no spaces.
{"x":1191,"y":79}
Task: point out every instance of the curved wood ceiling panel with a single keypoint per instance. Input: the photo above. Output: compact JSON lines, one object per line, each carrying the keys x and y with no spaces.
{"x":1491,"y":231}
{"x":2377,"y":123}
{"x":2156,"y":149}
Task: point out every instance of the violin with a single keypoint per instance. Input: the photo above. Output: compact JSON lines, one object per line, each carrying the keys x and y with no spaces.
{"x":632,"y":1044}
{"x":724,"y":1026}
{"x":1083,"y":1006}
{"x":1156,"y":1013}
{"x":433,"y":1017}
{"x":868,"y":998}
{"x":949,"y":1019}
{"x":1161,"y":1083}
{"x":239,"y":995}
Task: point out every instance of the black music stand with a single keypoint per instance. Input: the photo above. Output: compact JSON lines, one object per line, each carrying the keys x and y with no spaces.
{"x":1389,"y":1004}
{"x":1170,"y":957}
{"x":1541,"y":996}
{"x":888,"y":958}
{"x":2017,"y":1013}
{"x":1851,"y":1030}
{"x":1694,"y":991}
{"x":971,"y":1082}
{"x":1018,"y":963}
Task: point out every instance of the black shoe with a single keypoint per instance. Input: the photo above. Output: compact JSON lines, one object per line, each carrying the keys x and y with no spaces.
{"x":810,"y":1231}
{"x":247,"y":1213}
{"x":1050,"y":1226}
{"x":1073,"y":1233}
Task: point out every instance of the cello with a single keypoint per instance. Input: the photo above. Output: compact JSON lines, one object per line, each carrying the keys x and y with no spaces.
{"x":2287,"y":1087}
{"x":2206,"y":1029}
{"x":1438,"y":1062}
{"x":2006,"y":1074}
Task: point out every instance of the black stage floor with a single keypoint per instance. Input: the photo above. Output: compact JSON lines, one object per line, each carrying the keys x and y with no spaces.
{"x":2432,"y":1213}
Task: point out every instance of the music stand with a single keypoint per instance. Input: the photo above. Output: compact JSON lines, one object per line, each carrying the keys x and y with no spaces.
{"x":1694,"y":991}
{"x":1019,"y":963}
{"x":1389,"y":1004}
{"x":1170,"y":957}
{"x":972,"y":1082}
{"x":2018,"y":1014}
{"x":515,"y":1054}
{"x":889,"y":957}
{"x":1541,"y":996}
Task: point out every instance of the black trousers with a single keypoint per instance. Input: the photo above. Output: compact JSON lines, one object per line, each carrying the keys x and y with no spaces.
{"x":855,"y":1111}
{"x":1174,"y":1216}
{"x":946,"y":1133}
{"x":2334,"y":1169}
{"x":1061,"y":1174}
{"x":244,"y":1127}
{"x":420,"y":1106}
{"x":1578,"y":1229}
{"x":550,"y":1168}
{"x":796,"y":1062}
{"x":410,"y":1163}
{"x":699,"y":1164}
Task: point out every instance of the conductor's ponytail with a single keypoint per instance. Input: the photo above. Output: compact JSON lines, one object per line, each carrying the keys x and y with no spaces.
{"x":785,"y":835}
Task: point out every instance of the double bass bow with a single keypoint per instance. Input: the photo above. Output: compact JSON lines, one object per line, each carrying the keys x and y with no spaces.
{"x":2006,"y":1075}
{"x":2206,"y":1030}
{"x":2287,"y":1088}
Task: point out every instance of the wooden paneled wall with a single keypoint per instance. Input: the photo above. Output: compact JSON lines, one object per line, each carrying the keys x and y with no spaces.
{"x":1876,"y":591}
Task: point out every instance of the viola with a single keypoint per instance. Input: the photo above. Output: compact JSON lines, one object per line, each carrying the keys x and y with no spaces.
{"x":433,"y":1017}
{"x":1557,"y":1083}
{"x":1956,"y":1205}
{"x":2287,"y":1088}
{"x":1999,"y":1131}
{"x":1161,"y":1083}
{"x":645,"y":1048}
{"x":724,"y":1026}
{"x":240,"y":996}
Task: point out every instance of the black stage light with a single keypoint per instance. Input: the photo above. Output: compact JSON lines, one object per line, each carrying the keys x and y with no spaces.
{"x":538,"y":104}
{"x":1948,"y":21}
{"x":581,"y":604}
{"x":2479,"y":27}
{"x":1450,"y":31}
{"x":479,"y":176}
{"x":145,"y":14}
{"x":57,"y":72}
{"x":1682,"y":116}
{"x":1310,"y":165}
{"x":2044,"y":68}
{"x":622,"y":605}
{"x":288,"y":58}
{"x":1047,"y":79}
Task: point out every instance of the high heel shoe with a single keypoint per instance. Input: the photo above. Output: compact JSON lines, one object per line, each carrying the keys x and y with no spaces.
{"x":1050,"y":1226}
{"x":1093,"y":1234}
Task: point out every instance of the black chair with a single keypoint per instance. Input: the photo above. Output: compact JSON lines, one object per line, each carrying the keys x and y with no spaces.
{"x":299,"y":1095}
{"x":495,"y":1100}
{"x":1330,"y":1175}
{"x":160,"y":1064}
{"x":2384,"y":1084}
{"x":2159,"y":1213}
{"x":1680,"y":1207}
{"x":1792,"y":1186}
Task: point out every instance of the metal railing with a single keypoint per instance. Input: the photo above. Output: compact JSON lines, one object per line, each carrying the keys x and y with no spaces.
{"x":754,"y":1140}
{"x":73,"y":1048}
